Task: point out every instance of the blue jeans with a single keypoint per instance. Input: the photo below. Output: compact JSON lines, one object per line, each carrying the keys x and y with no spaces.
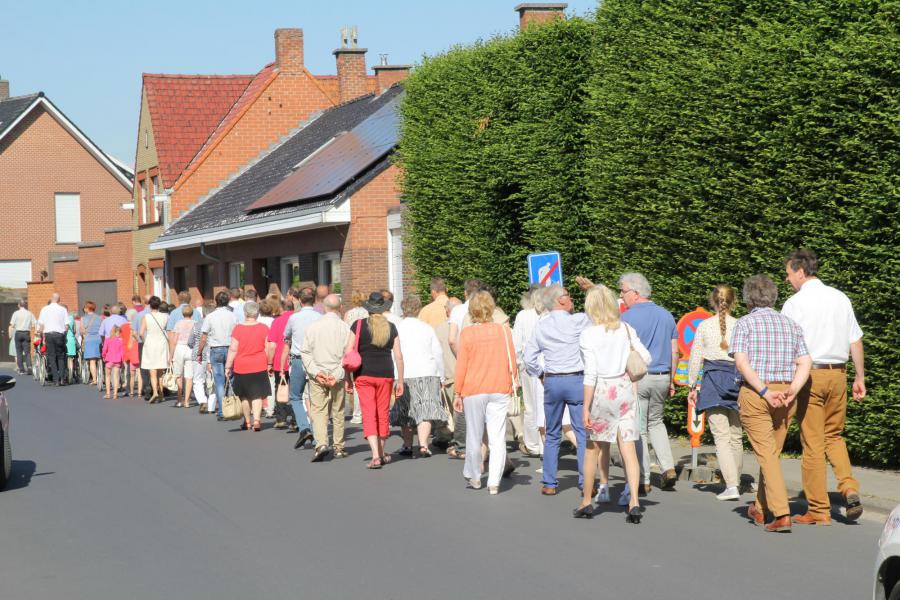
{"x":559,"y":393}
{"x":297,"y":385}
{"x":217,"y":357}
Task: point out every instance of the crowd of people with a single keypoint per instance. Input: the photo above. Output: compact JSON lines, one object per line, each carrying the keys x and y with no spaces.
{"x":453,"y":374}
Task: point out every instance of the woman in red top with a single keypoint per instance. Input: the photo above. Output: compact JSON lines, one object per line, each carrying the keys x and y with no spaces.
{"x":284,"y":413}
{"x":250,"y":359}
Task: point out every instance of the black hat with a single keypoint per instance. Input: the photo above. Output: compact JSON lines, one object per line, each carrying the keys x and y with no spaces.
{"x":376,"y":304}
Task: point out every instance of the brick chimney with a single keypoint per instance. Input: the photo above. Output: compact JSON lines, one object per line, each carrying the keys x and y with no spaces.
{"x":351,"y":66}
{"x":387,"y":75}
{"x":4,"y":89}
{"x":535,"y":13}
{"x":289,"y":51}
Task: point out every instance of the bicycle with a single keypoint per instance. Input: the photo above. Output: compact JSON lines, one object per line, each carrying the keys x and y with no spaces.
{"x":39,"y":362}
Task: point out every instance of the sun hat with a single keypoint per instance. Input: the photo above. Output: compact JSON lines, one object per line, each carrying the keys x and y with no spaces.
{"x":377,"y":304}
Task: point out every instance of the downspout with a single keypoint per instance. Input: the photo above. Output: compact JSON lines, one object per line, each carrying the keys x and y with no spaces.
{"x":204,"y":254}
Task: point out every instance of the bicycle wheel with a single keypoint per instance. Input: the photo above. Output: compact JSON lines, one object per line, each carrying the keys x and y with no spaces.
{"x":42,"y":374}
{"x":101,"y":374}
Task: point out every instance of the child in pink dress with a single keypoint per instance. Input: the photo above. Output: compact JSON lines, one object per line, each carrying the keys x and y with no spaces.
{"x":113,"y":356}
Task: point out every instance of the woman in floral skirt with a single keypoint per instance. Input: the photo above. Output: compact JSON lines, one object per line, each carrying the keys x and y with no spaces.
{"x":610,"y":411}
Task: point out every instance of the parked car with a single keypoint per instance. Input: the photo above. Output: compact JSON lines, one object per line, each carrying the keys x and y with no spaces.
{"x":887,"y":562}
{"x":7,"y":382}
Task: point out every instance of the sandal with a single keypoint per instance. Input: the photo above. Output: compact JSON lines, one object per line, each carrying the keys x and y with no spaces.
{"x":405,"y":451}
{"x":257,"y":426}
{"x":375,"y":463}
{"x":424,"y":452}
{"x":245,"y":425}
{"x":386,"y":459}
{"x":453,"y":452}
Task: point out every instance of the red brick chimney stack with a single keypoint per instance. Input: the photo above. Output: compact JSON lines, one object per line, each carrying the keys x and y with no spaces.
{"x":4,"y":89}
{"x":289,"y":51}
{"x":351,"y":66}
{"x":535,"y":13}
{"x":387,"y":75}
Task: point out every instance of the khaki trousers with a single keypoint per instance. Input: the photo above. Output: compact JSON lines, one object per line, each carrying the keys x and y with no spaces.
{"x":821,"y":411}
{"x":725,"y":426}
{"x":767,"y":427}
{"x":324,"y":402}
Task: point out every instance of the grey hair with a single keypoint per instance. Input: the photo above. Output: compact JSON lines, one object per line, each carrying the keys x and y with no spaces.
{"x":530,"y":298}
{"x":551,"y":294}
{"x":760,"y":292}
{"x":411,"y":305}
{"x":251,"y":310}
{"x":638,"y":283}
{"x":332,"y":302}
{"x":114,"y":309}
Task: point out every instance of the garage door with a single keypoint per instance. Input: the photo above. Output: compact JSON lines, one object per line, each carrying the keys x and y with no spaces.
{"x":100,"y":292}
{"x":15,"y":273}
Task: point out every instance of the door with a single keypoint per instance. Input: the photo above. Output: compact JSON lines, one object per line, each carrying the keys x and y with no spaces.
{"x":6,"y":312}
{"x":100,"y":292}
{"x":158,"y":290}
{"x":290,"y":272}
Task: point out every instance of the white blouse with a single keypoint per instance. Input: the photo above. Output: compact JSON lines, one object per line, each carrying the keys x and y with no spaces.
{"x":707,"y":344}
{"x":605,"y":351}
{"x":422,"y":352}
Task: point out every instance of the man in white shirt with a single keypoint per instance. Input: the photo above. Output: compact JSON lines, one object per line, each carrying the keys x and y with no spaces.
{"x":52,"y":325}
{"x":21,"y":326}
{"x":458,"y":314}
{"x":532,"y":388}
{"x":216,"y":331}
{"x":831,"y":333}
{"x":294,"y":333}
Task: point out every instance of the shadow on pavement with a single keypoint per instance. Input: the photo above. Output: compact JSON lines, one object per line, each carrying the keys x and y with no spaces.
{"x":21,"y":474}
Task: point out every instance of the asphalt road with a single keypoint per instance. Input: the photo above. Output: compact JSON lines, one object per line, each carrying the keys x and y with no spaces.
{"x":119,"y":499}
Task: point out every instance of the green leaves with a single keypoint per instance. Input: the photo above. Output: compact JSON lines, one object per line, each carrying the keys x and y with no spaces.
{"x":697,"y":141}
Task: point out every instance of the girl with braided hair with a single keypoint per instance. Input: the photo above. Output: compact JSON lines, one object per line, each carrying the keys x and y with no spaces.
{"x":717,"y":396}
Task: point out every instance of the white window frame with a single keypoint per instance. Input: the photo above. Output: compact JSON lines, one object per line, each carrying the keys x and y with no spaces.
{"x":154,"y":183}
{"x":20,"y":265}
{"x":334,"y":257}
{"x":395,"y":276}
{"x":158,"y":288}
{"x":71,"y":204}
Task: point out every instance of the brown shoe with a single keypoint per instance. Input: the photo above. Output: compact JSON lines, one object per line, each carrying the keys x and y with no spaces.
{"x":755,"y":515}
{"x":548,"y":491}
{"x":780,"y":525}
{"x":854,"y":508}
{"x":668,"y":479}
{"x":810,"y":519}
{"x":644,"y":489}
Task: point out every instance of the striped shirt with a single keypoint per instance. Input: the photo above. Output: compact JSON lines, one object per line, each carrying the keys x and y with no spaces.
{"x":771,"y":341}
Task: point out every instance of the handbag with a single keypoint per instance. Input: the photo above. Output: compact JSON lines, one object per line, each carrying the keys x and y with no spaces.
{"x":447,"y":402}
{"x":352,"y":360}
{"x":514,"y":408}
{"x":282,"y":395}
{"x":635,"y":366}
{"x":231,"y":405}
{"x":169,"y":381}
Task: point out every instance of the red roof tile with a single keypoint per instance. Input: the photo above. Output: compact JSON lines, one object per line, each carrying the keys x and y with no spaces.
{"x":255,"y":86}
{"x":184,"y":110}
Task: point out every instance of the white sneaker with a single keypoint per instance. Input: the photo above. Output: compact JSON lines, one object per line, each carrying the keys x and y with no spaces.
{"x":493,"y":490}
{"x":475,"y":484}
{"x":539,"y":470}
{"x":602,"y":496}
{"x":625,"y":496}
{"x":356,"y":420}
{"x":731,"y":493}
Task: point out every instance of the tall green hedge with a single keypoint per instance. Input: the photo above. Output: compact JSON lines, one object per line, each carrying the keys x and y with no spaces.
{"x":697,"y":141}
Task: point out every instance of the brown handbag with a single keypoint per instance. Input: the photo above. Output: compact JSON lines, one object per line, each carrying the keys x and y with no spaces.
{"x":635,"y":366}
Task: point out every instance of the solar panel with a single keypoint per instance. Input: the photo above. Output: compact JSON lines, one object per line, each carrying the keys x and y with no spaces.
{"x":336,"y":164}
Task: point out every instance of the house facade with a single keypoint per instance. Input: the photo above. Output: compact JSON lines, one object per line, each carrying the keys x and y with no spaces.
{"x":68,"y":202}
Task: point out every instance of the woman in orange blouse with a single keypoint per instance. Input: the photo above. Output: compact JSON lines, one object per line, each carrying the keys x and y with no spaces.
{"x":485,"y":371}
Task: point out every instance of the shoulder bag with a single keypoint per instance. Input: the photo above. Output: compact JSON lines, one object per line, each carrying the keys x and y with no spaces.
{"x":352,"y":360}
{"x":635,"y":366}
{"x":168,"y":381}
{"x":514,"y":408}
{"x":231,"y":404}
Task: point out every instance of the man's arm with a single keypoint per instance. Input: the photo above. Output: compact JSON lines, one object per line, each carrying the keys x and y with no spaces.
{"x":202,"y":345}
{"x":675,"y":357}
{"x":742,"y":362}
{"x":859,"y":367}
{"x":801,"y":374}
{"x":453,"y":338}
{"x":532,"y":355}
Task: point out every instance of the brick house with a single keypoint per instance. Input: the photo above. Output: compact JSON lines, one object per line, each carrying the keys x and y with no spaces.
{"x":63,"y":198}
{"x":320,"y":206}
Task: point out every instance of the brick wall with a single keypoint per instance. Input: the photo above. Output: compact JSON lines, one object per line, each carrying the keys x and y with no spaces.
{"x":287,"y":102}
{"x":351,"y":70}
{"x":38,"y":160}
{"x":364,"y":264}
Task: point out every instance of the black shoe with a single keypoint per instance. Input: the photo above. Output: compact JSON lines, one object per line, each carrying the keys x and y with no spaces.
{"x":584,"y":512}
{"x":320,"y":454}
{"x":220,"y":418}
{"x":292,"y":428}
{"x":203,"y":410}
{"x":634,"y":515}
{"x":508,"y":469}
{"x":305,"y":436}
{"x":405,"y":451}
{"x":567,"y":447}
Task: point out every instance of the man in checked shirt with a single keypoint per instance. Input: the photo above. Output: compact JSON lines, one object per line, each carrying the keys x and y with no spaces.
{"x":773,"y":365}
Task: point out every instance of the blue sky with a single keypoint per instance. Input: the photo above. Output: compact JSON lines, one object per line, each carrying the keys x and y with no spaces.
{"x":88,"y":55}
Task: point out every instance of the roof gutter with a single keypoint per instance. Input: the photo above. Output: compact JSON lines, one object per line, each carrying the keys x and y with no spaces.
{"x":204,"y":254}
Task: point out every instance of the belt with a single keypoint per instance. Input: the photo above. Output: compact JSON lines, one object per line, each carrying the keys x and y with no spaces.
{"x":747,"y":385}
{"x":572,"y":374}
{"x":295,"y":357}
{"x":658,"y":372}
{"x":830,"y":366}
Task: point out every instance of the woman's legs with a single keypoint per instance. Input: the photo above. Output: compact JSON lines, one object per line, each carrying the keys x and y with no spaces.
{"x":424,"y":430}
{"x":406,"y":434}
{"x":245,"y":408}
{"x":719,"y":425}
{"x":93,"y":366}
{"x":188,"y":386}
{"x":474,"y":407}
{"x":632,"y":468}
{"x":154,"y":381}
{"x":257,"y":410}
{"x":115,"y":378}
{"x":365,"y":388}
{"x":602,"y":465}
{"x":592,"y":452}
{"x":495,"y":421}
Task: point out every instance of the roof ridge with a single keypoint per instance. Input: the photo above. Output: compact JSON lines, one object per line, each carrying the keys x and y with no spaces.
{"x":352,"y":100}
{"x":23,"y":96}
{"x":196,"y":76}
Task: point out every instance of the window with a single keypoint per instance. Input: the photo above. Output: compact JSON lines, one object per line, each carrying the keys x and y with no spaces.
{"x":68,"y":218}
{"x":155,"y":187}
{"x":236,"y":275}
{"x":290,"y":272}
{"x":142,"y":201}
{"x":205,"y":276}
{"x":179,"y":276}
{"x":330,"y":268}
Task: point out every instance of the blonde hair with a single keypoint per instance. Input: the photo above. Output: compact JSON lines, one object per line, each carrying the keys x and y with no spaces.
{"x":602,"y":307}
{"x":114,"y":332}
{"x":481,"y":307}
{"x":380,"y":330}
{"x":722,"y":300}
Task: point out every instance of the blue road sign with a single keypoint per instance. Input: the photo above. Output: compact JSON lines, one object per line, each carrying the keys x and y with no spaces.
{"x":545,"y":268}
